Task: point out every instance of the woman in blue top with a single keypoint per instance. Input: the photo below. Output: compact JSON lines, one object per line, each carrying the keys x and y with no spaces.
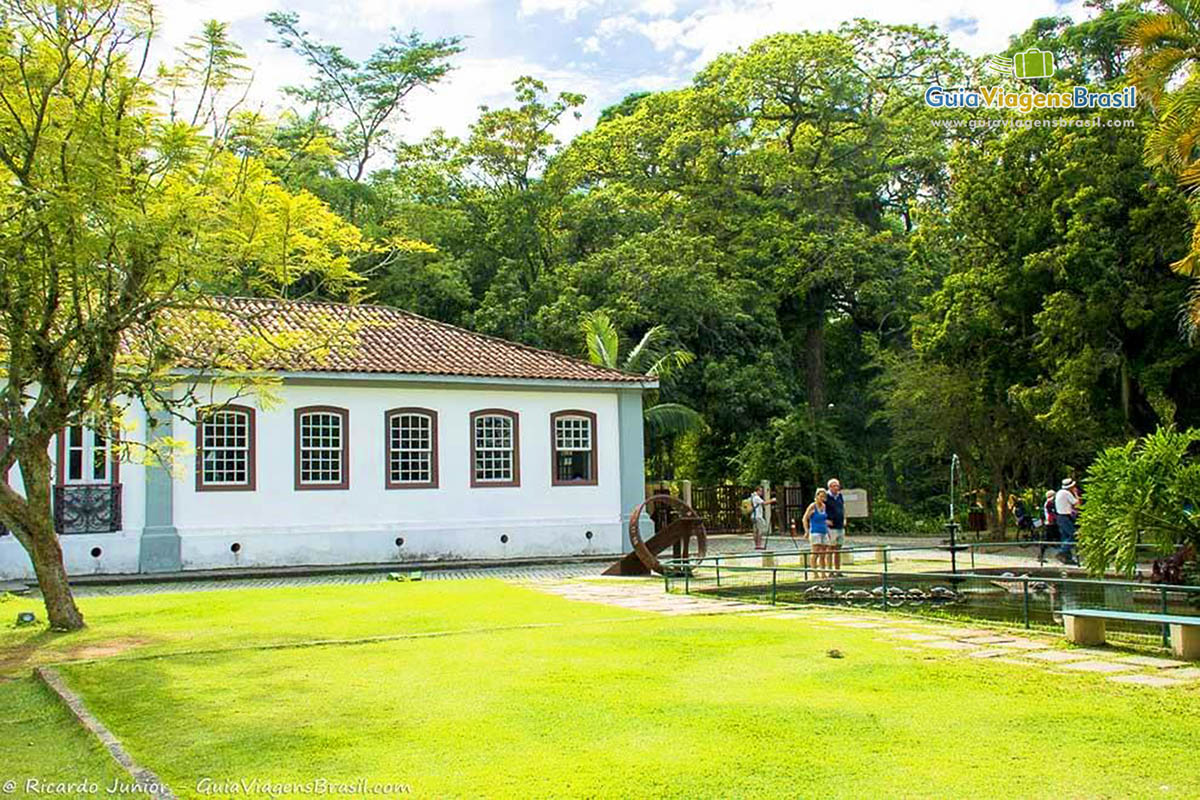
{"x":816,"y":527}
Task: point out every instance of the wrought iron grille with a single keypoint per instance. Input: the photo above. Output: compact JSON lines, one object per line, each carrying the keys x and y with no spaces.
{"x":90,"y":508}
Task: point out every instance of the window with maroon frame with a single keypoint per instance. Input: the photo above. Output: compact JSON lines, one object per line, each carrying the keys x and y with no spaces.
{"x":322,"y":448}
{"x":573,"y":448}
{"x":495,"y":448}
{"x":411,"y":452}
{"x":225,"y":449}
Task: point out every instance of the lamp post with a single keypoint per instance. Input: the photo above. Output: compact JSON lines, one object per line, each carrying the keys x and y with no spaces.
{"x":952,"y":526}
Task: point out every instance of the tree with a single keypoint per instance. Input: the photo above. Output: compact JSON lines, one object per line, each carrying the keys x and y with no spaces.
{"x":1164,"y":69}
{"x":115,"y":223}
{"x":1143,"y":492}
{"x":368,"y":95}
{"x":210,"y":64}
{"x":648,"y":357}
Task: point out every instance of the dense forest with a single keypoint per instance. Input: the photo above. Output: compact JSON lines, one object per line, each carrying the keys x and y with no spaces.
{"x":850,"y":281}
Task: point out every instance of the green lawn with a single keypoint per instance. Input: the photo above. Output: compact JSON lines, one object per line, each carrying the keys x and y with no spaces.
{"x":597,"y":702}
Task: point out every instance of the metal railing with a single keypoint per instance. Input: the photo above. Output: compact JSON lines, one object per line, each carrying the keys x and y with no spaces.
{"x":1032,"y":599}
{"x":87,"y":508}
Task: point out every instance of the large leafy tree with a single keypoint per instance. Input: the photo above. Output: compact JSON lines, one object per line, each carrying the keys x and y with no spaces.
{"x":362,"y":98}
{"x":1055,"y":323}
{"x":115,"y":223}
{"x":1164,"y":68}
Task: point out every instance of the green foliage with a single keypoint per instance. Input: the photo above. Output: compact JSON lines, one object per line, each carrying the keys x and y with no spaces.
{"x":1167,"y":53}
{"x":1146,"y":491}
{"x":363,"y":97}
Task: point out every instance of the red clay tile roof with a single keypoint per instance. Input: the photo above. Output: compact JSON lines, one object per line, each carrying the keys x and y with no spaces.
{"x":336,"y":337}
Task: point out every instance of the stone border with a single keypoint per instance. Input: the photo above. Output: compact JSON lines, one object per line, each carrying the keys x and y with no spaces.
{"x":154,"y":786}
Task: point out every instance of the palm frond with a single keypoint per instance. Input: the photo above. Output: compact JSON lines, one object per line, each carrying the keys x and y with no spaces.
{"x":664,"y":368}
{"x":671,"y":419}
{"x":1189,"y":314}
{"x":602,"y":339}
{"x":645,"y":348}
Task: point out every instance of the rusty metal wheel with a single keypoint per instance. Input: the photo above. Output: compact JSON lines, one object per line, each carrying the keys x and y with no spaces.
{"x":675,"y":521}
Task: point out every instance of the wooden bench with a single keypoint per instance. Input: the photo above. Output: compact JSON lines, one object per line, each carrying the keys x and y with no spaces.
{"x":1085,"y":626}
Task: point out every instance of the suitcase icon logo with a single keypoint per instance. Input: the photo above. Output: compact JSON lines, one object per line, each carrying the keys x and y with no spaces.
{"x":1032,"y":63}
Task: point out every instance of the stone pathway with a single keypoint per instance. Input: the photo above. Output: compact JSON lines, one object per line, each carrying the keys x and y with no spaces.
{"x":909,"y":634}
{"x":644,"y":595}
{"x":529,"y":573}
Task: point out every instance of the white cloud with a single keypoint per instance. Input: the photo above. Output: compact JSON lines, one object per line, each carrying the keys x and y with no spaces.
{"x":569,"y":9}
{"x":657,"y":8}
{"x":723,"y":25}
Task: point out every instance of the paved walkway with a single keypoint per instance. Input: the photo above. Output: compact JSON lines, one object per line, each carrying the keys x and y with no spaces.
{"x":538,"y":572}
{"x":905,"y":633}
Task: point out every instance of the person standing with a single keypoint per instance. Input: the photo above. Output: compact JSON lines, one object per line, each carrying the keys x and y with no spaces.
{"x":835,"y":506}
{"x":816,"y":528}
{"x":759,"y":516}
{"x":1049,"y":524}
{"x":1066,"y":509}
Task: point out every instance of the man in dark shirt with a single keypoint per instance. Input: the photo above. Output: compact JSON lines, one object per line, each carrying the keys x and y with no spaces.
{"x":835,"y":510}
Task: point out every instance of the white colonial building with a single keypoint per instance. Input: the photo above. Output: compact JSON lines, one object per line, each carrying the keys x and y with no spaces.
{"x":417,"y":441}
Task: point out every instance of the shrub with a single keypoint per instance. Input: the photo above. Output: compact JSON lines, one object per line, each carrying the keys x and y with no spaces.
{"x":1145,"y":491}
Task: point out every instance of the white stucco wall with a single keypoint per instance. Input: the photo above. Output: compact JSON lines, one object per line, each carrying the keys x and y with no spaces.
{"x":117,"y":551}
{"x":276,"y":525}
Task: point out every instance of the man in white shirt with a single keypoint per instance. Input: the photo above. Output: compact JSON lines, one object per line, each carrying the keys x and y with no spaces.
{"x":1066,"y":509}
{"x":759,"y":516}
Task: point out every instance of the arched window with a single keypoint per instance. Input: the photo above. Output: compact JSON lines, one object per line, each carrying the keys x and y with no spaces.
{"x":411,"y":454}
{"x":573,"y":448}
{"x":495,"y":448}
{"x":225,"y":449}
{"x":322,"y":448}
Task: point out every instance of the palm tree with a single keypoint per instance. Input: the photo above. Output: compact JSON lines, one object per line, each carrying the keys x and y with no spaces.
{"x":1166,"y":71}
{"x":663,"y":420}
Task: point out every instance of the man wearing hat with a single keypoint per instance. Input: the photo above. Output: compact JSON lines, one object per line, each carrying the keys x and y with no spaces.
{"x":1066,"y":508}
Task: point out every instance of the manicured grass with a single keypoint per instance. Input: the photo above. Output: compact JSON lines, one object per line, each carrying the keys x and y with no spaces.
{"x":174,"y":622}
{"x":726,"y":706}
{"x":41,"y":741}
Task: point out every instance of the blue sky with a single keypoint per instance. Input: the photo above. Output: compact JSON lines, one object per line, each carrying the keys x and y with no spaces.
{"x":602,"y":48}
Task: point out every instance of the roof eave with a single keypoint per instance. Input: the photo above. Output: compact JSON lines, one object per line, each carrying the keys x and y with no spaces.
{"x":643,"y":383}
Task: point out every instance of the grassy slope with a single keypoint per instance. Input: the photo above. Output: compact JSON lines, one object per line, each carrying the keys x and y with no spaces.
{"x":682,"y":707}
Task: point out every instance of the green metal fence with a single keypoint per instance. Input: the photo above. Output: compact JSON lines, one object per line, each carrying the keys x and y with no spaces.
{"x":979,"y":587}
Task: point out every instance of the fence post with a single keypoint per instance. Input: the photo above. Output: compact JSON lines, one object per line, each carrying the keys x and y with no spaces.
{"x":774,"y":574}
{"x":1025,"y":588}
{"x":687,"y":574}
{"x":1166,"y":630}
{"x":805,"y":556}
{"x":885,"y":581}
{"x":718,"y":572}
{"x":685,"y":492}
{"x":766,"y":487}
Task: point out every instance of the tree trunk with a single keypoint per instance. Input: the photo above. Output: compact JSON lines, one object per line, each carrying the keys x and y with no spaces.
{"x":814,"y":353}
{"x":42,"y":541}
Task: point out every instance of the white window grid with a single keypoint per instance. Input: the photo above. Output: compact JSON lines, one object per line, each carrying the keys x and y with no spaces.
{"x":225,"y":448}
{"x":321,"y":448}
{"x":411,"y":448}
{"x":87,"y":456}
{"x":573,"y":433}
{"x":494,"y":449}
{"x":573,"y":448}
